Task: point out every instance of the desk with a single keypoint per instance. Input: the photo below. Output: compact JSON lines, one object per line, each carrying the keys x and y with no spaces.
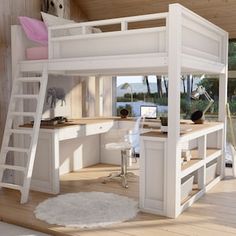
{"x":78,"y":144}
{"x":69,"y":147}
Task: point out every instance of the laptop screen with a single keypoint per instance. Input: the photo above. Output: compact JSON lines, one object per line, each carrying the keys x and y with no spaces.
{"x":148,"y":112}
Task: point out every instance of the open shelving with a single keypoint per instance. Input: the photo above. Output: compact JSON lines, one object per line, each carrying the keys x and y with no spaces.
{"x":205,"y":144}
{"x":205,"y":164}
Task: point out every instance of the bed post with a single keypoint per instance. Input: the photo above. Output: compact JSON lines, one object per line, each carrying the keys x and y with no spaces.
{"x":173,"y":163}
{"x":18,"y":46}
{"x":223,"y":83}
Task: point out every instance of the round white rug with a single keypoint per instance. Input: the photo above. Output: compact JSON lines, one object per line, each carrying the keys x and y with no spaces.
{"x":86,"y":209}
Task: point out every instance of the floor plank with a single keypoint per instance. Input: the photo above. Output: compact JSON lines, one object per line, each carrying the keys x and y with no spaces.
{"x":214,"y":214}
{"x":13,"y":230}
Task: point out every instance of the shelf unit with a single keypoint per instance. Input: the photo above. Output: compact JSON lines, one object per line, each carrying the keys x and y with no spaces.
{"x":206,"y":154}
{"x":206,"y":145}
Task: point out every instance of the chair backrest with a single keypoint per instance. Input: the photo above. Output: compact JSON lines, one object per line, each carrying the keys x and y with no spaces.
{"x":126,"y":135}
{"x":134,"y":135}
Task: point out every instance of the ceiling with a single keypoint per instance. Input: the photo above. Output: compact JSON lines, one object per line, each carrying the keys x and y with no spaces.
{"x":220,"y":12}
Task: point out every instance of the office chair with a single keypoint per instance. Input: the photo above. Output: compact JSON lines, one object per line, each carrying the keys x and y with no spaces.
{"x":128,"y":144}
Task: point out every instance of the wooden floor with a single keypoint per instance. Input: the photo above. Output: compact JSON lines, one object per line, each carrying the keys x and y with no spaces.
{"x":214,"y":214}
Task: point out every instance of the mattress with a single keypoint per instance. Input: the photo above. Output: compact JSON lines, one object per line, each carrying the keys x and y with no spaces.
{"x":37,"y":53}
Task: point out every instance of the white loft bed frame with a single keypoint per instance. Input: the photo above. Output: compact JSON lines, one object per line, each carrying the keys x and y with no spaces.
{"x":141,"y":50}
{"x":187,"y":44}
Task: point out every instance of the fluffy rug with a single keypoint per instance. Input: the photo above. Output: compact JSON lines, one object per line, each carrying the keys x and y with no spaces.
{"x":86,"y":209}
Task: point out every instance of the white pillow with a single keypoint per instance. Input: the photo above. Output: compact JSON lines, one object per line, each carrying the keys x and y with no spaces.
{"x":96,"y":30}
{"x":51,"y":20}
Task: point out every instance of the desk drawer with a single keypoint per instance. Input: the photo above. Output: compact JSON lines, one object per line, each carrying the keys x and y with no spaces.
{"x":98,"y":128}
{"x":71,"y":132}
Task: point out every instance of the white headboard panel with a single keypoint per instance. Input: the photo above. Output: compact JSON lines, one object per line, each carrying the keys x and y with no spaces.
{"x":201,"y":38}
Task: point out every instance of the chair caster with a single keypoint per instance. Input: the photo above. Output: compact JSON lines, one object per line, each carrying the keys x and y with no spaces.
{"x":124,"y":183}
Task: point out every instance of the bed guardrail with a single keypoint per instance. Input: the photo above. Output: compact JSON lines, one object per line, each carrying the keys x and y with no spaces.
{"x":64,"y":40}
{"x":200,"y":38}
{"x":123,"y":21}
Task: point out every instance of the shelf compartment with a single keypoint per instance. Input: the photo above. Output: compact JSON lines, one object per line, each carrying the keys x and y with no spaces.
{"x":197,"y":193}
{"x":191,"y":166}
{"x":213,"y":183}
{"x":186,"y":187}
{"x":211,"y":171}
{"x":193,"y":197}
{"x":193,"y":191}
{"x":212,"y":153}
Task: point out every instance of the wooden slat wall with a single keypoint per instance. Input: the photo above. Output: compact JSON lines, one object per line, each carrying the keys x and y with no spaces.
{"x":220,"y":12}
{"x":76,"y":13}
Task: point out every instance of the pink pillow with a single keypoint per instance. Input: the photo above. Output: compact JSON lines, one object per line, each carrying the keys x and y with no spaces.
{"x":35,"y":30}
{"x":37,"y":53}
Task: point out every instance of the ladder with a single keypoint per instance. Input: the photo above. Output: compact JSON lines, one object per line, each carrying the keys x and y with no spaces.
{"x":17,"y":95}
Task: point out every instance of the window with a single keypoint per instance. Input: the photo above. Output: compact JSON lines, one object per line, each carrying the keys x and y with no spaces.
{"x":136,"y":91}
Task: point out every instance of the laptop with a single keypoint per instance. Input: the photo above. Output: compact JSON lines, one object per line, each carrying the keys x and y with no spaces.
{"x":148,"y":111}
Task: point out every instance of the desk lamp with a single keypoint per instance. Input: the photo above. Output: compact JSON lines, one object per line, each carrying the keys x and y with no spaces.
{"x":198,"y":116}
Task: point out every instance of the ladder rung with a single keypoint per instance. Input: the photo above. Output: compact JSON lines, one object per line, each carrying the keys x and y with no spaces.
{"x":11,"y":186}
{"x":21,"y":131}
{"x":29,"y":79}
{"x":26,"y":96}
{"x":11,"y":167}
{"x":14,"y":149}
{"x":30,"y":114}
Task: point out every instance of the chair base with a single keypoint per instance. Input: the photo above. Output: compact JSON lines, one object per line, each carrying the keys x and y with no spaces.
{"x":123,"y":175}
{"x":120,"y":177}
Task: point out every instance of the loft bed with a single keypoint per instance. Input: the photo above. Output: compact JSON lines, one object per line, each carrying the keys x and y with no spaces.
{"x":186,"y":44}
{"x":142,"y":50}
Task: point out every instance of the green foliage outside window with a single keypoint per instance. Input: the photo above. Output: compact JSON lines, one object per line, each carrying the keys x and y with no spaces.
{"x":232,"y":55}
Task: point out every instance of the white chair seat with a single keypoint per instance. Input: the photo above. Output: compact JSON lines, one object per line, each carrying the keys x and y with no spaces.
{"x":118,"y":146}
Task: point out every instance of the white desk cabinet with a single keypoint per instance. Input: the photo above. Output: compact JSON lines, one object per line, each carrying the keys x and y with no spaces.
{"x":55,"y":157}
{"x":152,"y":174}
{"x":62,"y":150}
{"x":45,"y":172}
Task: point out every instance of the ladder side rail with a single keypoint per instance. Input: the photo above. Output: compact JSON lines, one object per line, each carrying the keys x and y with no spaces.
{"x":34,"y":139}
{"x":8,"y":124}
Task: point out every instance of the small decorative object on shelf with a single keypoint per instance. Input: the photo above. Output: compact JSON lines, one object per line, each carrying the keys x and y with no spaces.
{"x":60,"y":119}
{"x":124,"y":113}
{"x":183,"y":162}
{"x":54,"y":121}
{"x":186,"y":155}
{"x":164,"y":124}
